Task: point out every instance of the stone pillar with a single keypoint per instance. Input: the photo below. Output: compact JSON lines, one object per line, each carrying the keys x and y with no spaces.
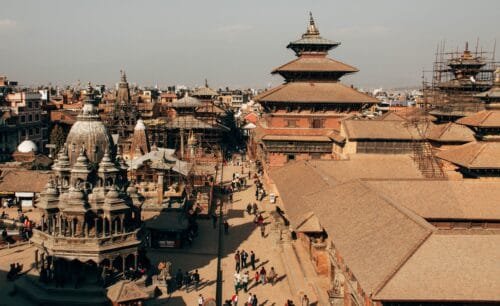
{"x":104,"y":226}
{"x":116,"y":226}
{"x":135,"y":260}
{"x":60,"y":225}
{"x":36,"y":259}
{"x":43,"y":223}
{"x":86,"y":230}
{"x":121,"y":224}
{"x":160,"y":188}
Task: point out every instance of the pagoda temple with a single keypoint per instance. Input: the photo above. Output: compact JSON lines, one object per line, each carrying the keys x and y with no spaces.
{"x":456,"y":82}
{"x":301,"y":116}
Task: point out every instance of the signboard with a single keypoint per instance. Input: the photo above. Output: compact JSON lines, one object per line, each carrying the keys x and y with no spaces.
{"x":25,"y":194}
{"x":166,"y":243}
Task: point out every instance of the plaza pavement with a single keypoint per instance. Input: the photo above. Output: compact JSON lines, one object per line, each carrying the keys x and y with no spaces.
{"x":293,"y":278}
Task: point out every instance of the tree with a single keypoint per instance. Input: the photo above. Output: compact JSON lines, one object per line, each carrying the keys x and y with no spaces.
{"x":57,"y":137}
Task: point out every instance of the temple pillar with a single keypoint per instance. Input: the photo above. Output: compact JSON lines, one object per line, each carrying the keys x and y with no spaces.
{"x":86,"y":230}
{"x":116,"y":226}
{"x":60,"y":225}
{"x":104,"y":227}
{"x":160,"y":188}
{"x":135,"y":260}
{"x":121,"y":224}
{"x":43,"y":223}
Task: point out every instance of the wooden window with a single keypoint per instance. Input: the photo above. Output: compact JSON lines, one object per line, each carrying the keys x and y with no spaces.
{"x":317,"y":123}
{"x":291,"y":123}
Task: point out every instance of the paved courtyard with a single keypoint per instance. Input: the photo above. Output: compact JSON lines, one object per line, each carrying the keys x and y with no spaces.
{"x":202,"y":255}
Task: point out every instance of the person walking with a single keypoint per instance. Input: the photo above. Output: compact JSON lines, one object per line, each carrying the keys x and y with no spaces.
{"x":244,"y":281}
{"x":234,"y":299}
{"x":250,"y":299}
{"x":196,"y":279}
{"x":263,"y":275}
{"x":187,"y":281}
{"x":272,"y":276}
{"x":178,"y":278}
{"x":237,"y":281}
{"x":305,"y":300}
{"x":255,"y":302}
{"x":252,"y":260}
{"x":226,"y":227}
{"x":201,"y":300}
{"x":256,"y":277}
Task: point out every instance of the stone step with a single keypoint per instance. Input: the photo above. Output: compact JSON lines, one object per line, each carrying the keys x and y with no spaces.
{"x":42,"y":296}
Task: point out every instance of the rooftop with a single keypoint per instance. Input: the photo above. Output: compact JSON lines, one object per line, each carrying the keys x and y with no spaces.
{"x":318,"y":92}
{"x":474,"y":155}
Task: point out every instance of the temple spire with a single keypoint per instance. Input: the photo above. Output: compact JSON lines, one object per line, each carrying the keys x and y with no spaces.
{"x":312,"y":30}
{"x":123,"y":76}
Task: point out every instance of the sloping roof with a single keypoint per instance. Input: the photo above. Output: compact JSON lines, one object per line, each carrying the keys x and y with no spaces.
{"x":316,"y":63}
{"x":251,"y":117}
{"x":474,"y":155}
{"x":125,"y":291}
{"x":309,"y":92}
{"x":445,"y":200}
{"x":24,"y":181}
{"x":373,"y":235}
{"x":450,"y":132}
{"x":449,"y":268}
{"x":187,"y":102}
{"x":368,"y":166}
{"x":379,"y":129}
{"x":392,"y":116}
{"x":204,"y":91}
{"x":494,"y":92}
{"x":298,"y":179}
{"x":162,"y":157}
{"x":294,"y":181}
{"x":485,"y":119}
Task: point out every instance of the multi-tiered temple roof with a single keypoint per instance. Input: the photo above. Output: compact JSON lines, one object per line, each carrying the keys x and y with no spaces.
{"x":313,"y":77}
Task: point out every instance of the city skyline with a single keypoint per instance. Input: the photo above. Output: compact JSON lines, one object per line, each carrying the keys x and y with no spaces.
{"x":230,"y":44}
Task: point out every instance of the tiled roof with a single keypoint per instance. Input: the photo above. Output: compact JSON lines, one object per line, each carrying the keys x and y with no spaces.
{"x":474,"y":155}
{"x":24,"y":181}
{"x":449,"y":267}
{"x":372,"y":234}
{"x":309,"y":92}
{"x":486,"y":118}
{"x":379,"y":129}
{"x":450,"y":132}
{"x":204,"y":91}
{"x":432,"y":199}
{"x":308,"y":63}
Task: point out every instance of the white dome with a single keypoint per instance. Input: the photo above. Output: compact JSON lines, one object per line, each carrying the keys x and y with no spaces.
{"x":140,"y":125}
{"x":27,"y":146}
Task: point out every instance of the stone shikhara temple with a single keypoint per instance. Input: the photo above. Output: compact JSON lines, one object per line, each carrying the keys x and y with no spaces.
{"x":90,"y":219}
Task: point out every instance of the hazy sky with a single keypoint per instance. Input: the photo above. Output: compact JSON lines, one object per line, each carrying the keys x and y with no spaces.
{"x":230,"y":42}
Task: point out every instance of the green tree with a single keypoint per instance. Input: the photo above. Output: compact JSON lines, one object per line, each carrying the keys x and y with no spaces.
{"x":57,"y":137}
